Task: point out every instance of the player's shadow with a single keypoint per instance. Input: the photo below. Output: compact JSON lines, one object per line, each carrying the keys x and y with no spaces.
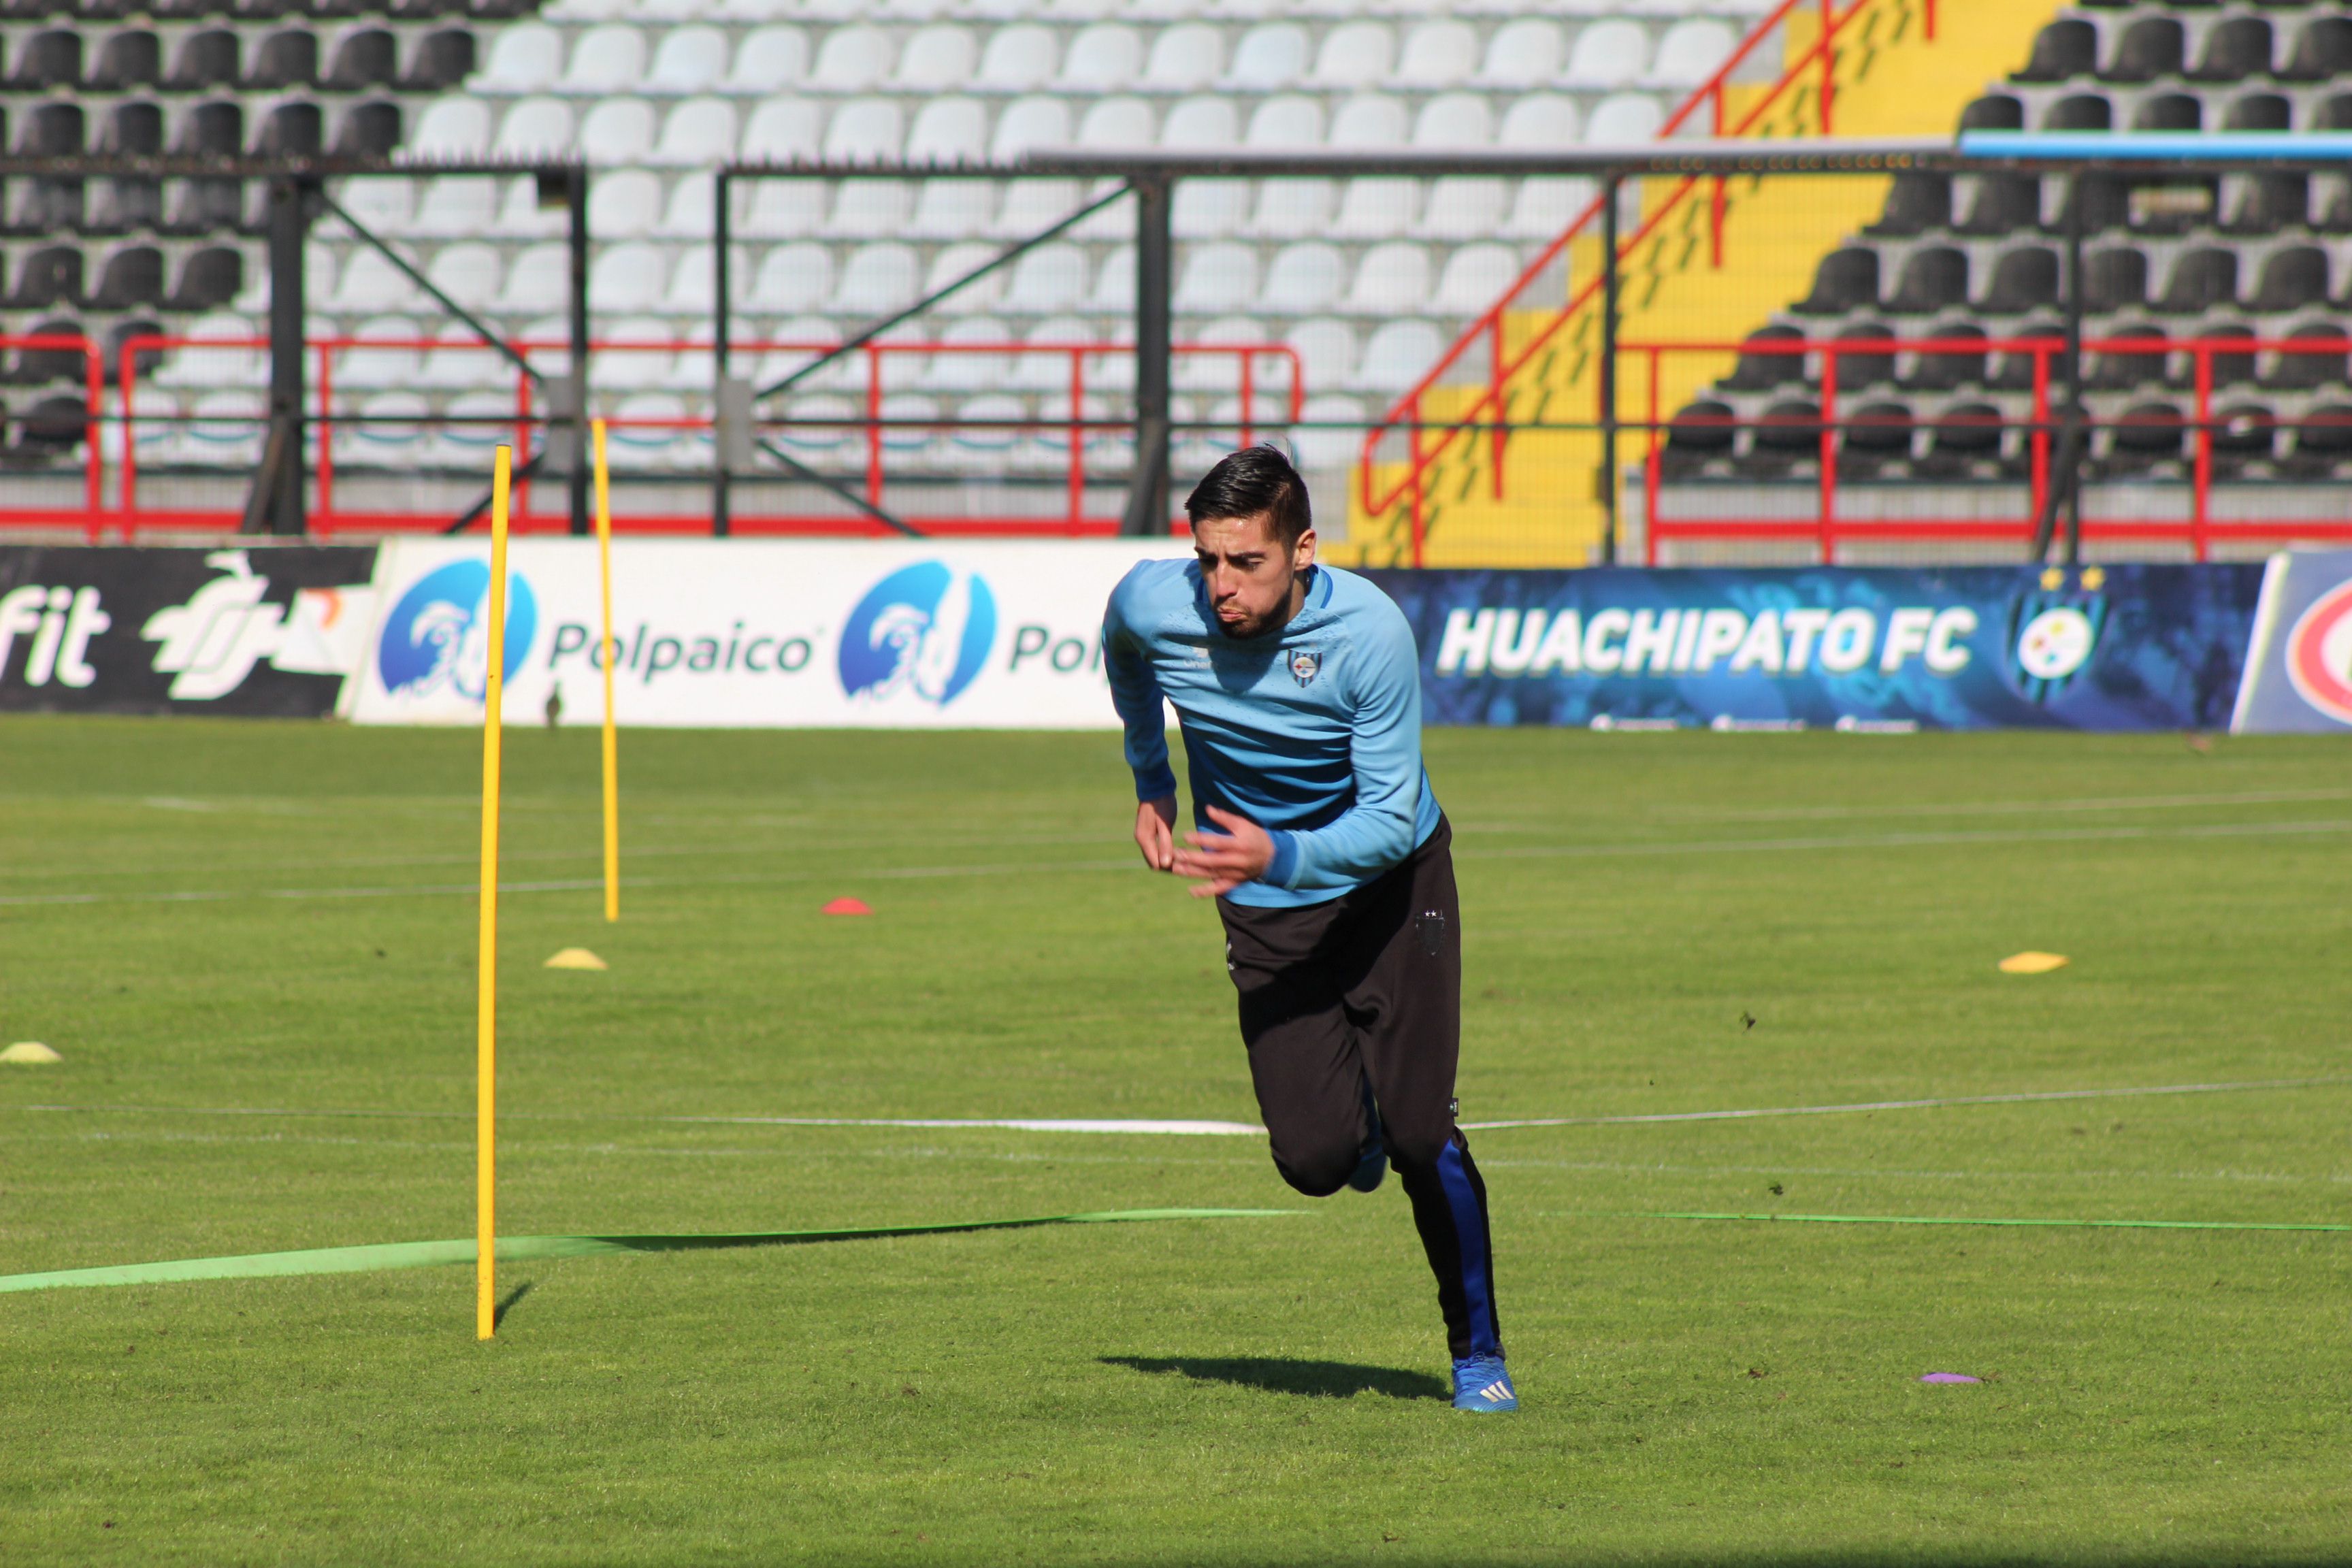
{"x":1284,"y":1374}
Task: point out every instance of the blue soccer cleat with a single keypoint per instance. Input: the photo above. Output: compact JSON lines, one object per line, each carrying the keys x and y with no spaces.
{"x":1372,"y":1165}
{"x":1481,"y":1383}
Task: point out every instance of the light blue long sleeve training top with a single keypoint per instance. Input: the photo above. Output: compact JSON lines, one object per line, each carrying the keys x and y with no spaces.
{"x":1313,"y":732}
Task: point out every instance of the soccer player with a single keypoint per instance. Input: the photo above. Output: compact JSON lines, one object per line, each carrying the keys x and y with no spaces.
{"x":1298,"y":692}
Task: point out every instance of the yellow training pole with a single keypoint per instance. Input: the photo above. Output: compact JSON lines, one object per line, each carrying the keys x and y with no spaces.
{"x":486,"y":1083}
{"x":612,"y":737}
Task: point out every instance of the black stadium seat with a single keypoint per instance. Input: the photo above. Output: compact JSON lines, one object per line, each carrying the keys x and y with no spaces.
{"x":2230,"y":367}
{"x":2063,"y":50}
{"x":288,"y":58}
{"x":364,"y":60}
{"x":1755,"y":371}
{"x":49,"y":277}
{"x":2017,"y":365}
{"x":1935,"y":278}
{"x":2151,"y":47}
{"x":47,"y":59}
{"x":127,"y":60}
{"x":1846,"y":281}
{"x":1702,"y":433}
{"x":2004,"y":204}
{"x":2244,"y":433}
{"x":2321,"y":50}
{"x":2169,"y":112}
{"x":1995,"y":112}
{"x":1875,"y":435}
{"x":2203,"y":277}
{"x":1950,"y":370}
{"x":1857,"y":371}
{"x":2115,"y":279}
{"x":1789,"y":433}
{"x":2024,"y":278}
{"x":205,"y":61}
{"x":131,"y":278}
{"x":1965,"y":440}
{"x":2299,"y":372}
{"x":2235,"y":48}
{"x":2323,"y":440}
{"x":2121,"y":369}
{"x":368,"y":131}
{"x":209,"y":278}
{"x":1917,"y":202}
{"x":2080,"y":111}
{"x":441,"y":60}
{"x":34,"y":367}
{"x":291,"y":130}
{"x":2260,"y":112}
{"x":2147,"y":434}
{"x":2295,"y":278}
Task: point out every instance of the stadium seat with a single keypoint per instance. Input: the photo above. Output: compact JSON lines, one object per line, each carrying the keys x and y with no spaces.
{"x":371,"y":283}
{"x":2025,"y":277}
{"x":1607,"y":54}
{"x":1210,"y":209}
{"x":2302,"y":369}
{"x":767,"y":60}
{"x":617,"y":130}
{"x":624,"y":204}
{"x":699,"y":132}
{"x":1184,"y":59}
{"x":455,"y":204}
{"x":1463,"y":208}
{"x":1286,"y":120}
{"x":791,"y":280}
{"x":1048,"y":280}
{"x":1355,"y":56}
{"x":1392,"y":279}
{"x":289,"y":58}
{"x":1437,"y":54}
{"x":877,"y":280}
{"x":2293,"y":279}
{"x":1453,"y":120}
{"x":1475,"y":277}
{"x":2151,"y":47}
{"x":629,"y":277}
{"x":1200,"y":122}
{"x":633,"y":353}
{"x":937,"y":59}
{"x":1933,"y":279}
{"x":1216,"y":278}
{"x":535,"y":127}
{"x":1523,"y":54}
{"x":380,"y":358}
{"x":1625,"y":119}
{"x":468,"y":273}
{"x":1693,"y":50}
{"x":783,"y":131}
{"x":1377,"y":206}
{"x":865,"y":130}
{"x":1028,"y":123}
{"x":1018,"y":59}
{"x":2202,"y":277}
{"x":1292,"y":208}
{"x":538,"y":280}
{"x":525,"y":58}
{"x":1846,"y":279}
{"x":1103,"y":57}
{"x":870,"y":210}
{"x":1117,"y":122}
{"x":1369,"y":122}
{"x":851,"y":59}
{"x":452,"y":128}
{"x":971,"y":372}
{"x":388,"y":433}
{"x":687,"y":60}
{"x":953,"y":209}
{"x":1269,"y":56}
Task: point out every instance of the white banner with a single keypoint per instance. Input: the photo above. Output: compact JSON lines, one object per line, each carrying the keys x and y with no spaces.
{"x":917,"y":634}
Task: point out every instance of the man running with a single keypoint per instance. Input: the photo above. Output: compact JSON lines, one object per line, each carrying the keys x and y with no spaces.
{"x":1298,"y":692}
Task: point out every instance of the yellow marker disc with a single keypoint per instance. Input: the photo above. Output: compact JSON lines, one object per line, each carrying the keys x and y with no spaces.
{"x":2032,"y":962}
{"x":581,"y":958}
{"x":29,"y":1053}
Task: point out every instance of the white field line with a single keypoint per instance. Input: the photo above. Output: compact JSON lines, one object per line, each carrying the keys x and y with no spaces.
{"x":1192,"y":1128}
{"x":1033,"y":868}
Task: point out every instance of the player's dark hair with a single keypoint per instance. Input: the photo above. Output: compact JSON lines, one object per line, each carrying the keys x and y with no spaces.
{"x":1257,"y":480}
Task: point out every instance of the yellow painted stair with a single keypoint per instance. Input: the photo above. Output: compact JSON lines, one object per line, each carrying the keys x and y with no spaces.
{"x":1891,"y":80}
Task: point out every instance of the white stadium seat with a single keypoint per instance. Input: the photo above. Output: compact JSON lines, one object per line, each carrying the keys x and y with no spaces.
{"x":793,"y":280}
{"x":1325,"y":350}
{"x":1355,"y":55}
{"x":1328,"y":449}
{"x":535,"y":127}
{"x":616,"y":366}
{"x":1475,"y":278}
{"x":460,"y":360}
{"x":1117,"y":122}
{"x":949,"y":131}
{"x":539,"y":280}
{"x":521,"y":216}
{"x":1522,"y":54}
{"x":1031,"y":204}
{"x":468,"y":273}
{"x":1391,"y":280}
{"x":1048,"y":280}
{"x":1287,"y":120}
{"x":1184,"y":59}
{"x":1293,"y":208}
{"x":1546,"y":205}
{"x":1438,"y":55}
{"x":953,"y":209}
{"x":767,"y":60}
{"x":1463,"y":206}
{"x":624,"y":206}
{"x":979,"y":296}
{"x":1608,"y":54}
{"x":783,"y":131}
{"x":369,"y":282}
{"x":1268,"y":57}
{"x":1453,"y":120}
{"x":364,"y":367}
{"x":1692,"y":51}
{"x":1029,"y":122}
{"x":865,"y":130}
{"x":870,"y":210}
{"x":692,"y":289}
{"x":386,"y":207}
{"x":652,"y":445}
{"x":1102,"y":59}
{"x":851,"y":59}
{"x":455,"y":204}
{"x":1216,"y":278}
{"x":451,"y":128}
{"x":877,"y":280}
{"x":1398,"y":354}
{"x":699,"y":132}
{"x":463,"y":443}
{"x":617,"y":130}
{"x":971,"y":372}
{"x":628,"y":277}
{"x":1369,"y":122}
{"x":1114,"y":290}
{"x":390,"y":431}
{"x":1210,"y":209}
{"x":1304,"y":277}
{"x":606,"y":60}
{"x":527,"y":58}
{"x":1200,"y":122}
{"x":936,"y":59}
{"x":687,"y":60}
{"x":1540,"y":120}
{"x":1018,"y":59}
{"x":1377,"y":208}
{"x":688,"y":213}
{"x":785,"y":209}
{"x":1623,"y":117}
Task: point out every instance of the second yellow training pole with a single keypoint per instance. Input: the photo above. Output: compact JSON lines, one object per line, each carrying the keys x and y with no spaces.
{"x":612,"y":737}
{"x":485,"y":1039}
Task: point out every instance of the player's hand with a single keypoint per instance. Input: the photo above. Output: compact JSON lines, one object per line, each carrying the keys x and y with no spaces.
{"x":1224,"y":860}
{"x":1155,"y":823}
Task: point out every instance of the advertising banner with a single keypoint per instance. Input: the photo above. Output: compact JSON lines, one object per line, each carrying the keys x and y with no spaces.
{"x":898,"y":634}
{"x":2116,"y":647}
{"x":2299,"y":667}
{"x":270,"y":631}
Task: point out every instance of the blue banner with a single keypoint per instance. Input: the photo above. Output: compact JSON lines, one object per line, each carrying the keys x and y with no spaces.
{"x":2299,"y":675}
{"x":2113,"y":647}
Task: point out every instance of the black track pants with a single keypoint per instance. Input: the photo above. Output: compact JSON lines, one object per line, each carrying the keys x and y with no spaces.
{"x":1368,"y":988}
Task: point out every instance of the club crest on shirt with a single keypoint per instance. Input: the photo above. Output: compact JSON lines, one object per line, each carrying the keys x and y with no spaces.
{"x":1304,"y":664}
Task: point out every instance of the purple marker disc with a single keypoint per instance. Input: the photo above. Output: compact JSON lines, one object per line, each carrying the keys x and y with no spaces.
{"x":1949,"y":1377}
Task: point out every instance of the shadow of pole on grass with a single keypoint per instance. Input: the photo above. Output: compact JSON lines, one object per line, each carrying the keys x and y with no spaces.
{"x":1285,"y":1375}
{"x":498,"y":1316}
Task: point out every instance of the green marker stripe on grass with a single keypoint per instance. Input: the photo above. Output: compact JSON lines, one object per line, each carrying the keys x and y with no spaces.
{"x":532,"y":1249}
{"x":1950,"y":1219}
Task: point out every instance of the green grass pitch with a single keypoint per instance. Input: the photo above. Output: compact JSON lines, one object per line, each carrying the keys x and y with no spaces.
{"x":1243,"y":1391}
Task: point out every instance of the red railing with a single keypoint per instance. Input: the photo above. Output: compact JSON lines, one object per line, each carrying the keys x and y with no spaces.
{"x":129,"y":515}
{"x":1488,"y":409}
{"x":93,"y":403}
{"x":1829,"y":528}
